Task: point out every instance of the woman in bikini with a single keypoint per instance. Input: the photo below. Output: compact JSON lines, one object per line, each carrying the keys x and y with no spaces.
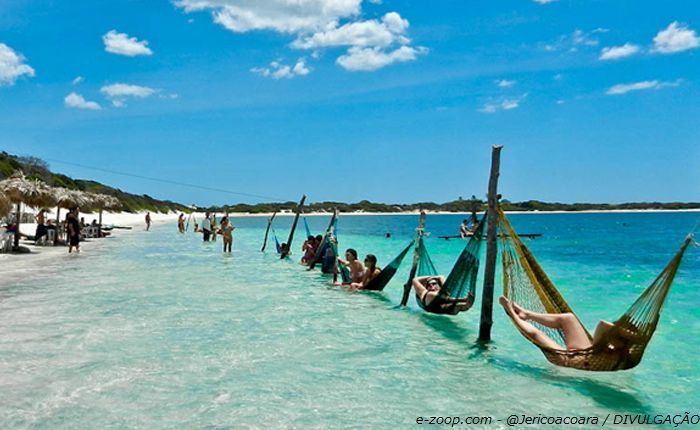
{"x":371,"y":271}
{"x":227,"y":233}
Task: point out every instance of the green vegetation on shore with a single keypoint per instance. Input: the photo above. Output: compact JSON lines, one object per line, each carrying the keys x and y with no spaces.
{"x":36,"y":168}
{"x":460,"y":205}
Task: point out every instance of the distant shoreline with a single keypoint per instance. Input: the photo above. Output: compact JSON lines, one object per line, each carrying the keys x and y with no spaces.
{"x":344,"y":214}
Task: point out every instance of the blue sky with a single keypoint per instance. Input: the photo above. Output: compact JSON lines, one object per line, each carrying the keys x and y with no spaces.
{"x":396,"y":101}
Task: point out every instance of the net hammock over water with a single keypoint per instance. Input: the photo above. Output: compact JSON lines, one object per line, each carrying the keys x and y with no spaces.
{"x":385,"y":275}
{"x":327,"y":251}
{"x":459,"y":290}
{"x":619,"y":348}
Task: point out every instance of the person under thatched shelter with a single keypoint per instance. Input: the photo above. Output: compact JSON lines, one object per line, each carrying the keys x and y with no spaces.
{"x":20,"y":190}
{"x":101,"y":202}
{"x":68,"y":199}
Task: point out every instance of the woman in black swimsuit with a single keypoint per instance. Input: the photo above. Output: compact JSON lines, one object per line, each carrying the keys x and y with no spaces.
{"x":427,"y":288}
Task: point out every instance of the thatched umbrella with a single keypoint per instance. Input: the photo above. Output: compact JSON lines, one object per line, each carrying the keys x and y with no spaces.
{"x":68,"y":199}
{"x":102,"y":202}
{"x":5,"y":205}
{"x":30,"y":192}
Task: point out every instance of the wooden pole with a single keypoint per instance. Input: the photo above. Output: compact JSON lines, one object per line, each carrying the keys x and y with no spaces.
{"x":99,"y":226}
{"x":267,"y":231}
{"x":414,"y":267}
{"x":491,"y":248}
{"x":327,"y":236}
{"x":58,"y":225}
{"x":294,"y":227}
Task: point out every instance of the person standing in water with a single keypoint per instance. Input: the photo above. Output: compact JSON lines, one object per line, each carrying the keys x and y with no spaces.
{"x":148,"y":221}
{"x":213,"y":227}
{"x":206,"y":227}
{"x":73,"y":230}
{"x":227,"y":233}
{"x":181,"y":223}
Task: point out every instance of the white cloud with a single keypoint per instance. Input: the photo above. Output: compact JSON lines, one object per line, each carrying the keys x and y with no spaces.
{"x":544,"y":1}
{"x":675,"y":38}
{"x":12,"y":66}
{"x":285,"y":16}
{"x":277,"y":70}
{"x":127,"y":90}
{"x":122,"y":44}
{"x":372,"y":33}
{"x":620,"y":89}
{"x":573,"y":41}
{"x":76,"y":101}
{"x":617,"y":52}
{"x":505,"y":83}
{"x":119,"y":92}
{"x":77,"y":80}
{"x":318,"y":24}
{"x":503,"y":104}
{"x":368,"y":59}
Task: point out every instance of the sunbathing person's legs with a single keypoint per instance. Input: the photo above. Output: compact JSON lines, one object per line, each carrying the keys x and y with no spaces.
{"x":533,"y":332}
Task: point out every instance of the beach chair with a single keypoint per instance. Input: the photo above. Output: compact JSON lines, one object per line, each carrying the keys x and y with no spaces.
{"x":89,"y":232}
{"x":6,"y":240}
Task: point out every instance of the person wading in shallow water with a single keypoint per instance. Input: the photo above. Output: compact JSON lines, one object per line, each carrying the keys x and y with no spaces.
{"x":206,"y":228}
{"x":148,"y":221}
{"x":227,"y":233}
{"x":73,"y":230}
{"x":181,"y":223}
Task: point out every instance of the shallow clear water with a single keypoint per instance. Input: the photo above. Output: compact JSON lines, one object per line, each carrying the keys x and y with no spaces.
{"x":158,"y":330}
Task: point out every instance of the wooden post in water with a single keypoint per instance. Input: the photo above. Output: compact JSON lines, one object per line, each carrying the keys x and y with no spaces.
{"x":328,"y":235}
{"x":267,"y":230}
{"x":414,"y":267}
{"x":294,"y":227}
{"x":491,"y":248}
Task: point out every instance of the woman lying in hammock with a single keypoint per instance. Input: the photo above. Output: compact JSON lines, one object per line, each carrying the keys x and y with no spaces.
{"x":428,"y":288}
{"x":575,"y":335}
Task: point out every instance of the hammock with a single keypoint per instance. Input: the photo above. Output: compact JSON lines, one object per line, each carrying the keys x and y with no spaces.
{"x":621,"y":347}
{"x":383,"y":277}
{"x":278,"y":247}
{"x":327,"y":243}
{"x":459,"y":290}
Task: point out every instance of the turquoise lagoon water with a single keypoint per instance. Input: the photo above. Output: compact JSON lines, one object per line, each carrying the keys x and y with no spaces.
{"x":158,"y":330}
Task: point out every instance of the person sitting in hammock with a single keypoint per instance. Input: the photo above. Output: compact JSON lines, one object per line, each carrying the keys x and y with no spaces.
{"x":355,"y":267}
{"x":575,"y":335}
{"x":428,"y":288}
{"x":309,"y":250}
{"x":371,"y":271}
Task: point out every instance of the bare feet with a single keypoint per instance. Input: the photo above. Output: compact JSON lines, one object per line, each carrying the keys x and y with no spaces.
{"x":507,"y":306}
{"x":522,"y":313}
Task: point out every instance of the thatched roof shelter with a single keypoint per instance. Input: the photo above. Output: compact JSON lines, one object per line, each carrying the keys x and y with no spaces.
{"x":99,"y":202}
{"x":31,"y":192}
{"x":66,"y":198}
